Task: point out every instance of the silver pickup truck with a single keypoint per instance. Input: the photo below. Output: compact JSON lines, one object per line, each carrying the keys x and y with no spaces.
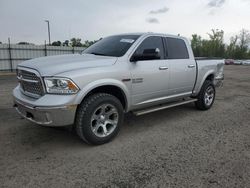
{"x":138,"y":73}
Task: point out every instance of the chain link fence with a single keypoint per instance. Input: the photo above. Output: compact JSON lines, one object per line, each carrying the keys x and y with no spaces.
{"x":12,"y":54}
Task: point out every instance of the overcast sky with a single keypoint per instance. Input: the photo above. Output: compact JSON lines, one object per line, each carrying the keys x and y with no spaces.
{"x":23,"y":20}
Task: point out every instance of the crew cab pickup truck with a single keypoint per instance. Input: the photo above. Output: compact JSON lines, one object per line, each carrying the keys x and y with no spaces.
{"x":138,"y":73}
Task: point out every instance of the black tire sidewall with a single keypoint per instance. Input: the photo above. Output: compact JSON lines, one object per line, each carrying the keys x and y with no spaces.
{"x":85,"y":123}
{"x":208,"y":106}
{"x":200,"y":104}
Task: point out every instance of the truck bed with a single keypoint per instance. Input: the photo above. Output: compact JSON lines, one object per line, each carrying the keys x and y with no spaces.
{"x":206,"y":67}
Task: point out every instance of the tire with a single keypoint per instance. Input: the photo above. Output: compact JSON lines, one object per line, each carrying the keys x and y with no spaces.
{"x":206,"y":96}
{"x":99,"y":118}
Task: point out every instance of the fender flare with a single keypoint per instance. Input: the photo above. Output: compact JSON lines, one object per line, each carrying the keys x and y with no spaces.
{"x":211,"y":72}
{"x":103,"y":82}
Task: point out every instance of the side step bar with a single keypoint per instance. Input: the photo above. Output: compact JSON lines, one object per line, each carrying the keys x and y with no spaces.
{"x":162,"y":107}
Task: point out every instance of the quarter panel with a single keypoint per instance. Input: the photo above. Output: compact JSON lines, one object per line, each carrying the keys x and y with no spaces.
{"x":205,"y":68}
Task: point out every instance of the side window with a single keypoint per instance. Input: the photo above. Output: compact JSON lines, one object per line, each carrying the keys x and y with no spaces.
{"x":177,"y":49}
{"x":152,"y":42}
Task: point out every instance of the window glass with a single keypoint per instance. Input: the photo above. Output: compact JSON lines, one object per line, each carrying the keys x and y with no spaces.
{"x":152,"y":42}
{"x":176,"y":49}
{"x":112,"y":46}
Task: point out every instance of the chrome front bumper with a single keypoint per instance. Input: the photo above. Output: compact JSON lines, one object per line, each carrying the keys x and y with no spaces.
{"x":53,"y":115}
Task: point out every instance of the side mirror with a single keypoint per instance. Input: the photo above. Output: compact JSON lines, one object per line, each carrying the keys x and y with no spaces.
{"x":148,"y":54}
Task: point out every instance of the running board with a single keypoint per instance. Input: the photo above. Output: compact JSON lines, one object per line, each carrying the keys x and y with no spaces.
{"x":162,"y":107}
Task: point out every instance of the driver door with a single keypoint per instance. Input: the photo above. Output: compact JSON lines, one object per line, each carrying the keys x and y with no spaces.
{"x":150,"y":78}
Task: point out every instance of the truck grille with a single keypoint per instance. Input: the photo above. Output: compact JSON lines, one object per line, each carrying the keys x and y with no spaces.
{"x":30,"y":83}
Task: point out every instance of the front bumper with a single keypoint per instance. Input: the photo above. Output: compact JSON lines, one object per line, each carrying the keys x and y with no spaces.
{"x":51,"y":115}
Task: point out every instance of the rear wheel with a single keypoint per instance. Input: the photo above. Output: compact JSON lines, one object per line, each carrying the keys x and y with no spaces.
{"x":99,"y":118}
{"x":206,"y":96}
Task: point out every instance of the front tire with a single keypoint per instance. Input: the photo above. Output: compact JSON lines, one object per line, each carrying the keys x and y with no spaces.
{"x":99,"y":118}
{"x":206,"y":96}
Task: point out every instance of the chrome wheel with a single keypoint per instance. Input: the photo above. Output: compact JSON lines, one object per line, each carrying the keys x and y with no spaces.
{"x":104,"y":120}
{"x":209,"y":96}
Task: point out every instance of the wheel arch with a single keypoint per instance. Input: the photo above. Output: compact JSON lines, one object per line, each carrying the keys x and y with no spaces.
{"x":208,"y":76}
{"x":115,"y":88}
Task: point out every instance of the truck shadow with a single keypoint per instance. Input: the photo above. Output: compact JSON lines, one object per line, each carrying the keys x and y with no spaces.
{"x":34,"y":136}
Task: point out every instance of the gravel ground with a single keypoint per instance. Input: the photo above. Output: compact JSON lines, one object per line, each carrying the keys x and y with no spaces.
{"x":178,"y":147}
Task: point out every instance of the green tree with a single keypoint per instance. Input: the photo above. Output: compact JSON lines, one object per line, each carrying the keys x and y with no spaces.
{"x":88,"y":43}
{"x":75,"y":42}
{"x":66,"y":43}
{"x":56,"y":43}
{"x":239,"y":46}
{"x":196,"y":44}
{"x":244,"y":41}
{"x":24,"y":43}
{"x":231,"y":48}
{"x":215,"y":46}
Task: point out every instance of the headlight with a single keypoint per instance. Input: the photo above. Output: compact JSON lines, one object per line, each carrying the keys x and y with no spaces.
{"x":60,"y":86}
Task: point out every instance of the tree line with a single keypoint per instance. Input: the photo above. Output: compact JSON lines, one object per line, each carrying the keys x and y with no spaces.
{"x":74,"y":42}
{"x":238,"y":48}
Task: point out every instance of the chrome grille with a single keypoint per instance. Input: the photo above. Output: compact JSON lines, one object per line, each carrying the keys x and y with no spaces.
{"x":30,"y":83}
{"x":28,"y":75}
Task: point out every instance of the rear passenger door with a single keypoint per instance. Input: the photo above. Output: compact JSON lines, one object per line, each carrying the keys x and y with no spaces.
{"x":182,"y":67}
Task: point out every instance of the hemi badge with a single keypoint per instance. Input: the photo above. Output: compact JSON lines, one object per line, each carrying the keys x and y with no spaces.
{"x":126,"y":80}
{"x":137,"y":80}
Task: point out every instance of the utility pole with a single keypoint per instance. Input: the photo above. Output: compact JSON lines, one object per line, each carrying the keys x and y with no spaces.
{"x":48,"y":30}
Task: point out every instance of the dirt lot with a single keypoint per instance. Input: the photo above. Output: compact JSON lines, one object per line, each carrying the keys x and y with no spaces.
{"x":178,"y":147}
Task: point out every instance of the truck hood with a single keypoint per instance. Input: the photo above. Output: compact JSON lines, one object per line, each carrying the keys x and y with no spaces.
{"x":53,"y":65}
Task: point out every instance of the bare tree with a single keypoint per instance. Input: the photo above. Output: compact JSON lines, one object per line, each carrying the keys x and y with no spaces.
{"x":232,"y":46}
{"x":244,"y":39}
{"x":216,"y":35}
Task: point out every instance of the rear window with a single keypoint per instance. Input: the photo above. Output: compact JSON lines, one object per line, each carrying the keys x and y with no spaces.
{"x":176,"y":49}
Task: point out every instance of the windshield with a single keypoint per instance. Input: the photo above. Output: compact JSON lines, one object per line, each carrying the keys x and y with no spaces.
{"x":115,"y":46}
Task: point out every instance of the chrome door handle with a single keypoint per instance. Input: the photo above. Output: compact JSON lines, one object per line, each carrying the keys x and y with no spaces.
{"x":191,"y":66}
{"x":163,"y":68}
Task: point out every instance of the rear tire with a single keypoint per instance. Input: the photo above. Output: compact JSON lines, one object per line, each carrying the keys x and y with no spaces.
{"x":99,"y":118}
{"x":206,"y":96}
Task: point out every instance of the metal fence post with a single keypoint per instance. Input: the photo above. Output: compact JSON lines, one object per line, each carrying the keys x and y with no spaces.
{"x":10,"y":57}
{"x":45,"y":48}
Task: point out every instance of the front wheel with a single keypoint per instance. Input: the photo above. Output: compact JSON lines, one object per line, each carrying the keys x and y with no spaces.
{"x":206,"y":96}
{"x":99,"y":118}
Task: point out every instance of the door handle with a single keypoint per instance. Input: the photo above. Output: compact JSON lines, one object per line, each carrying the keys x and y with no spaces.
{"x":191,"y":66}
{"x":163,"y":68}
